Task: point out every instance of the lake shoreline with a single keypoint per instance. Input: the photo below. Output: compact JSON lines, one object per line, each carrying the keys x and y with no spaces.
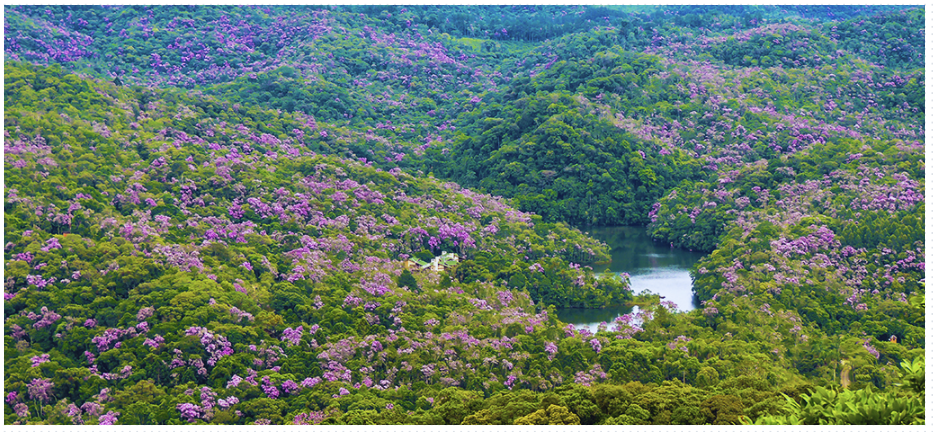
{"x":655,"y":272}
{"x":652,"y":299}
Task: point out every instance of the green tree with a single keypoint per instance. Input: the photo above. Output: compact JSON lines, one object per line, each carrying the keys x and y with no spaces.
{"x":553,"y":415}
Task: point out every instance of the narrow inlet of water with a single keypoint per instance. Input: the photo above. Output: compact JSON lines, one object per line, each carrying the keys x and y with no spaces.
{"x":652,"y":266}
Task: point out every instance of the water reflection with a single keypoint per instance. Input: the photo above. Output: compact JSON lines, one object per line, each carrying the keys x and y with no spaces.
{"x":653,"y":266}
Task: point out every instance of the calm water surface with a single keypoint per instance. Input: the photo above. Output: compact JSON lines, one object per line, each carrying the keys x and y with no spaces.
{"x":653,"y":266}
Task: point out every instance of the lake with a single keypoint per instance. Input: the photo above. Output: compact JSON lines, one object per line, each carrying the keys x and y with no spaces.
{"x":653,"y":266}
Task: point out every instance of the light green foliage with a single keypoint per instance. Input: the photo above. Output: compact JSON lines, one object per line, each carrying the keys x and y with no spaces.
{"x":860,"y":407}
{"x":553,"y":415}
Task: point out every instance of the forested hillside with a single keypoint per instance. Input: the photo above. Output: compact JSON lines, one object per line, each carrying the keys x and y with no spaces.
{"x":217,"y":214}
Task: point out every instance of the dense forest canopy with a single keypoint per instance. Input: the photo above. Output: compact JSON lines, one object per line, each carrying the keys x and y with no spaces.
{"x":229,"y":215}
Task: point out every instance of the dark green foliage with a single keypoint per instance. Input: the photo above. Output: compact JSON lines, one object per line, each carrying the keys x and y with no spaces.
{"x":407,"y":280}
